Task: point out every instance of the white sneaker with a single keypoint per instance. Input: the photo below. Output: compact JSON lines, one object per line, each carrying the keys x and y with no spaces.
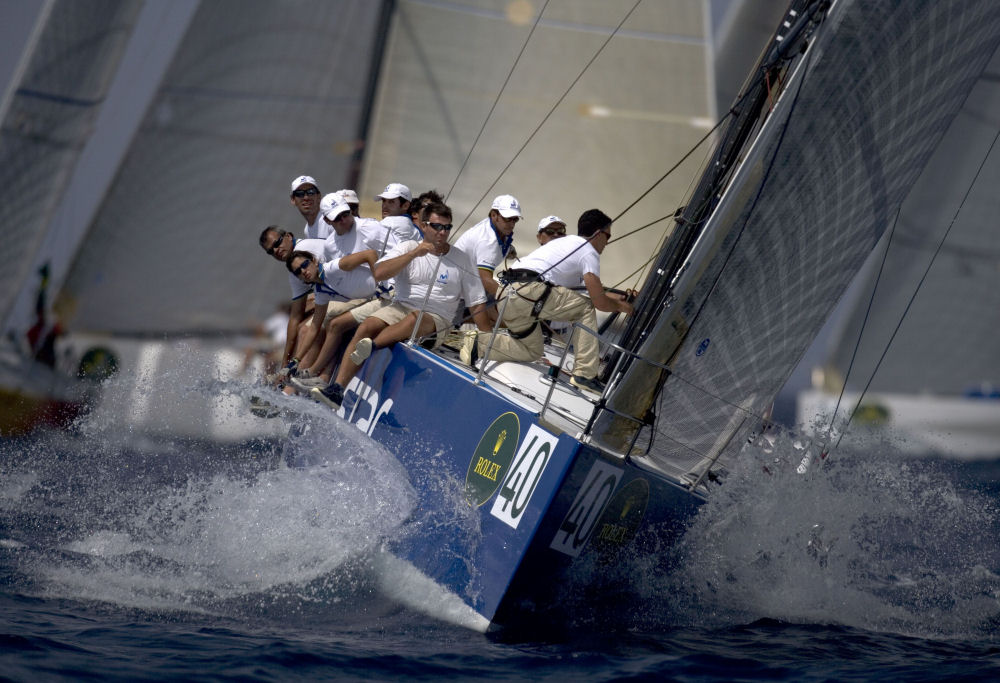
{"x":308,"y":383}
{"x":361,"y":352}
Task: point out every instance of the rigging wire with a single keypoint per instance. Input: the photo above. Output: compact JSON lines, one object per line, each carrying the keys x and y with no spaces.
{"x":864,"y":323}
{"x":495,"y":102}
{"x":551,"y":111}
{"x":677,"y":165}
{"x":916,"y":290}
{"x":666,"y":234}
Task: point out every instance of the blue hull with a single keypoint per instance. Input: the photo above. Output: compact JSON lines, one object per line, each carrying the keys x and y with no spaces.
{"x":506,"y":509}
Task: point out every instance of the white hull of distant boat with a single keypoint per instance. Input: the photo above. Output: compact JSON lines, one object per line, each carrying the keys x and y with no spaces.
{"x":180,"y":388}
{"x":960,"y":427}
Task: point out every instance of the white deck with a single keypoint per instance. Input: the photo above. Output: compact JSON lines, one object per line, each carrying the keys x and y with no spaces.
{"x":528,"y":384}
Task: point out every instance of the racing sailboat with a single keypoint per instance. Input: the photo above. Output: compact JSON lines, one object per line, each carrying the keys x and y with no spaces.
{"x":48,"y":111}
{"x":825,"y":142}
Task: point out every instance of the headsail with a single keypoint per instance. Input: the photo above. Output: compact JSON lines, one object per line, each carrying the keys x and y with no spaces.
{"x":861,"y":112}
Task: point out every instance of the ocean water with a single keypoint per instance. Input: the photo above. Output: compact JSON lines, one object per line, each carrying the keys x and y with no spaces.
{"x":130,"y":557}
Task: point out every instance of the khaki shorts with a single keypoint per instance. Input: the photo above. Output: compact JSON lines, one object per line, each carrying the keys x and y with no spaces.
{"x":335,"y":308}
{"x":365,"y":310}
{"x":394,"y":313}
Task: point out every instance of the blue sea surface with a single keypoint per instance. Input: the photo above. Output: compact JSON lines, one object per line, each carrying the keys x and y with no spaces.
{"x":127,"y":557}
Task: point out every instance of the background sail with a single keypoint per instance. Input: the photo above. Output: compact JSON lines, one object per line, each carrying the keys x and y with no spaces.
{"x":643,"y":103}
{"x":258,"y":92}
{"x":940,"y":347}
{"x":47,"y":119}
{"x":884,"y":81}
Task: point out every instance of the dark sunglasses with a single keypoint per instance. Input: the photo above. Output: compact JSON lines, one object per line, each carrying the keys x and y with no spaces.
{"x":440,"y":226}
{"x":552,"y":232}
{"x":274,"y":245}
{"x":299,"y":194}
{"x":302,"y":266}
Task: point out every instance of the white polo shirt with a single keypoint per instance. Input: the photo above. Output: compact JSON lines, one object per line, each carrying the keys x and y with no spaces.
{"x":319,"y":230}
{"x":343,"y":285}
{"x":319,"y":249}
{"x":455,"y":279}
{"x":482,"y":243}
{"x":563,"y":261}
{"x":366,"y":234}
{"x":403,"y":228}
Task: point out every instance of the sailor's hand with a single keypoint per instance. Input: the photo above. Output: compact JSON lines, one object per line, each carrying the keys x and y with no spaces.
{"x":424,"y":248}
{"x":626,"y":308}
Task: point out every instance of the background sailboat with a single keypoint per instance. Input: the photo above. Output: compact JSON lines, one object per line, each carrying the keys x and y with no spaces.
{"x":56,"y":87}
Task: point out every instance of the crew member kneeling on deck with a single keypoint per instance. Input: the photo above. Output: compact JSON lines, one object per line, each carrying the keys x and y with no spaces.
{"x":540,"y":288}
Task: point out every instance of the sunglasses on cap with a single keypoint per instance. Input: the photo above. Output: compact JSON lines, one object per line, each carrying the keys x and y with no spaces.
{"x":299,"y":194}
{"x":440,"y":226}
{"x":302,"y":266}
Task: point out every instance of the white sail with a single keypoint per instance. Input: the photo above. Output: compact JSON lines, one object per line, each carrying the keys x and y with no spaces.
{"x":841,"y":151}
{"x":646,"y":99}
{"x":47,"y":119}
{"x":258,"y":92}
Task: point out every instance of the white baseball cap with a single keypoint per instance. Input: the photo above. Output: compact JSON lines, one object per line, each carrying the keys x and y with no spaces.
{"x":507,"y":206}
{"x":393,"y":190}
{"x":549,"y":220}
{"x":332,"y":206}
{"x":304,"y":180}
{"x":349,"y":196}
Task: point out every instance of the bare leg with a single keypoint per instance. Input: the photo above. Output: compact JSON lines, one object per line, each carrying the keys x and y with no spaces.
{"x":335,"y":331}
{"x":371,"y":328}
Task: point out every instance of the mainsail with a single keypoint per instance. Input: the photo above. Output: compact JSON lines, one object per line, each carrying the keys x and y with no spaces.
{"x":861,"y":112}
{"x":560,"y":145}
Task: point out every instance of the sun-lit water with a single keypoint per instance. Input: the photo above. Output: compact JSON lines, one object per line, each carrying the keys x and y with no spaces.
{"x":127,"y":556}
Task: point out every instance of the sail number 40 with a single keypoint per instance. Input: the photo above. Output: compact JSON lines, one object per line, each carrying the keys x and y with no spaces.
{"x":520,"y":483}
{"x":586,"y":508}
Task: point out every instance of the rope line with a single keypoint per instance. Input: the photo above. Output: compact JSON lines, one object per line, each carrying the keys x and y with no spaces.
{"x":864,"y":323}
{"x":551,"y":111}
{"x":496,"y":101}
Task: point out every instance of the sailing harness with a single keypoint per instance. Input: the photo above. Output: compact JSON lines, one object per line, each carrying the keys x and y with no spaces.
{"x":524,"y":276}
